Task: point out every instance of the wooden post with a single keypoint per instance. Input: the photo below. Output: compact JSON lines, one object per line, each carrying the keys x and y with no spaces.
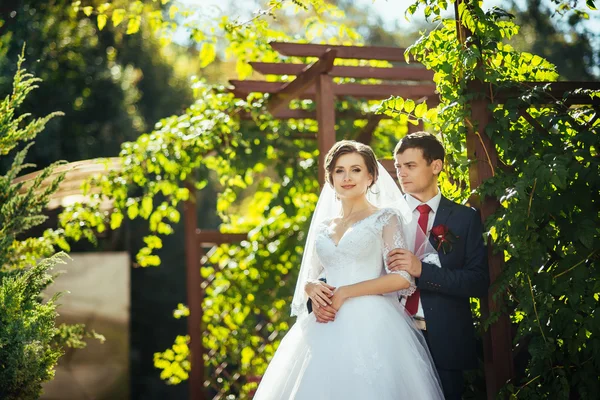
{"x":497,"y":340}
{"x":415,"y":128}
{"x":366,"y":134}
{"x":194,"y":295}
{"x":325,"y":119}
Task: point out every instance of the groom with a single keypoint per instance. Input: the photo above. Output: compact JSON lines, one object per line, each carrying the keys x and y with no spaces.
{"x":440,"y":306}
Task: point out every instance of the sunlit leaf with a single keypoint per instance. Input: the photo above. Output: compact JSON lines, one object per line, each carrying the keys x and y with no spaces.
{"x":133,"y":25}
{"x":102,"y":21}
{"x":117,"y":16}
{"x":207,"y":54}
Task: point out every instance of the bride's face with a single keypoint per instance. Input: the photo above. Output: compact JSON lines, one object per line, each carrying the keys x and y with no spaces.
{"x":350,"y":176}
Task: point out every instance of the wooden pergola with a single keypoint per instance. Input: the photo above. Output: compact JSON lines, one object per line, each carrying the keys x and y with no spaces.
{"x":315,"y":81}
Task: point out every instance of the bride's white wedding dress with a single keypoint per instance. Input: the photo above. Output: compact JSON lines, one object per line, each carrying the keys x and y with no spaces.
{"x":372,"y":350}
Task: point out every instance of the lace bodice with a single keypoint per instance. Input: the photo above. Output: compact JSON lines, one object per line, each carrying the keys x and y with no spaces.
{"x":360,"y":253}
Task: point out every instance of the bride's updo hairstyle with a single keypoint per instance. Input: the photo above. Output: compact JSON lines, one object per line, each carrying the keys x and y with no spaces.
{"x":346,"y":147}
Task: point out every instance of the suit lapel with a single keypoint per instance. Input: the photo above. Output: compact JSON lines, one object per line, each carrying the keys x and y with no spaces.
{"x":441,"y":216}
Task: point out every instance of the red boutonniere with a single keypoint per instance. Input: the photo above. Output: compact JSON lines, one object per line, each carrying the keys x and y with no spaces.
{"x":443,"y":237}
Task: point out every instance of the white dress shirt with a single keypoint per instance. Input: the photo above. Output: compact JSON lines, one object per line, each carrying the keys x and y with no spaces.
{"x":413,"y":203}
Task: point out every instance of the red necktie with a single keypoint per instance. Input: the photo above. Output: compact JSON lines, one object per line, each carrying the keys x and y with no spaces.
{"x":412,"y":303}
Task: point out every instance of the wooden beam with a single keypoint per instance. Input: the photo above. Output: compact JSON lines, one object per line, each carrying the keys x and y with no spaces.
{"x":325,"y":120}
{"x":305,"y":114}
{"x":77,"y":170}
{"x":415,"y":128}
{"x":348,"y":52}
{"x":287,"y":113}
{"x":370,"y":92}
{"x":205,"y":238}
{"x":403,"y":73}
{"x":306,"y":78}
{"x":553,"y":91}
{"x":194,"y":295}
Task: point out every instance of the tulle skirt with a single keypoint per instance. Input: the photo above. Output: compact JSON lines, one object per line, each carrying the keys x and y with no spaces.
{"x":371,"y":351}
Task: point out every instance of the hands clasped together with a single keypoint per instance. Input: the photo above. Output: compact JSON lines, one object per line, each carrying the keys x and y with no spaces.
{"x":327,"y":300}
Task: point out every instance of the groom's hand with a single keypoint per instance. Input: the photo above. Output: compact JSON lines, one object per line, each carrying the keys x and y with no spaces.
{"x":324,"y":314}
{"x":320,"y":294}
{"x":404,"y":260}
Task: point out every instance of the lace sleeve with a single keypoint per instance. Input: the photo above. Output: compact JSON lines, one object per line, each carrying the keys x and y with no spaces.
{"x":393,"y":238}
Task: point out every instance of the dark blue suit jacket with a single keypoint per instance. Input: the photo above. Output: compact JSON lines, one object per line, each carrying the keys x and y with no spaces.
{"x":445,"y":291}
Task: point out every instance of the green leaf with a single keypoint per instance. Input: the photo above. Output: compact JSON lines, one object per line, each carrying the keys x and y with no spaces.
{"x":173,"y":11}
{"x":133,"y":26}
{"x":398,"y":104}
{"x":118,"y":16}
{"x":116,"y":218}
{"x":591,"y":4}
{"x":536,"y":60}
{"x":102,"y":18}
{"x":153,"y":242}
{"x":133,"y":211}
{"x":207,"y":54}
{"x":409,"y":105}
{"x":420,"y":110}
{"x":146,"y":208}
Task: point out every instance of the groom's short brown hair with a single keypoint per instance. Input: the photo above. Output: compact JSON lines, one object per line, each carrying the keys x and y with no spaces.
{"x":430,"y":146}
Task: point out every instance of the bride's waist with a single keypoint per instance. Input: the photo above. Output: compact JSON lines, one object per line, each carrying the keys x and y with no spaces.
{"x":370,"y":302}
{"x":347,"y":281}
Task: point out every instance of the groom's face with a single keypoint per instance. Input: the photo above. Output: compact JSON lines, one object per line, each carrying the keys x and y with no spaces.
{"x":415,"y":174}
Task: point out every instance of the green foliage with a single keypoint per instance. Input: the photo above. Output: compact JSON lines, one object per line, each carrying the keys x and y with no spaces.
{"x":568,"y":43}
{"x":156,"y":168}
{"x":548,"y":182}
{"x":436,"y":7}
{"x":22,"y":203}
{"x":548,"y":227}
{"x":30,"y":343}
{"x":212,"y":35}
{"x":111,"y":87}
{"x":28,"y":352}
{"x":174,"y":362}
{"x":11,"y":130}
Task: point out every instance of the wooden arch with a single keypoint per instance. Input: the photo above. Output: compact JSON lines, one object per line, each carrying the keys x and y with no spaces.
{"x":316,"y":81}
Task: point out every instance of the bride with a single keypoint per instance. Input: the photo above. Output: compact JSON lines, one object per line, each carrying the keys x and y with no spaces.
{"x":372,"y":349}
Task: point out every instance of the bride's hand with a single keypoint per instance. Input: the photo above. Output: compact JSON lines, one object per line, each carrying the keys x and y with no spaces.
{"x":319,"y":292}
{"x":338,"y":298}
